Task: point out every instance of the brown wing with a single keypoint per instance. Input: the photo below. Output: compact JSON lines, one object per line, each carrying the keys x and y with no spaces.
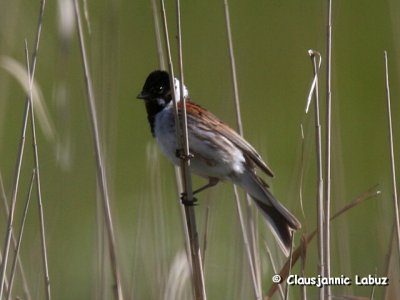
{"x":211,"y":122}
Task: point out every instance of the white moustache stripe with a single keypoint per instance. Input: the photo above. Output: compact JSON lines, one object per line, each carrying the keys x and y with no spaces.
{"x":177,"y":86}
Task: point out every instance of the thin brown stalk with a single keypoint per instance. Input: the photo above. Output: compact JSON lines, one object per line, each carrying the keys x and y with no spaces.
{"x":290,"y":267}
{"x":156,"y":20}
{"x":252,"y":241}
{"x":38,"y":185}
{"x":178,"y":182}
{"x":327,"y":196}
{"x":25,"y":287}
{"x":101,"y":174}
{"x":302,"y":170}
{"x":10,"y":221}
{"x":101,"y":253}
{"x":392,"y":159}
{"x":183,"y":144}
{"x":388,"y":258}
{"x":197,"y":265}
{"x":247,"y":246}
{"x":320,"y":181}
{"x":179,"y":189}
{"x":21,"y":146}
{"x":297,"y":253}
{"x":163,"y":65}
{"x":303,"y":259}
{"x":274,"y":270}
{"x":21,"y":231}
{"x":183,"y":134}
{"x":233,"y":68}
{"x":371,"y":296}
{"x":5,"y":280}
{"x":205,"y":236}
{"x":157,"y":215}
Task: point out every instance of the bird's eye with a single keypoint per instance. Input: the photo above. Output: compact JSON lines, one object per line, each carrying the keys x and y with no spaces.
{"x":157,"y":90}
{"x":160,"y":89}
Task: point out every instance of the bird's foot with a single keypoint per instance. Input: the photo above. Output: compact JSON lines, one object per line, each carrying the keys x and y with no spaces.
{"x":185,"y":201}
{"x":180,"y":153}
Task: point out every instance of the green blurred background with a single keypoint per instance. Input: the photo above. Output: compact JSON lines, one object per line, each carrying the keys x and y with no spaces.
{"x":271,"y":39}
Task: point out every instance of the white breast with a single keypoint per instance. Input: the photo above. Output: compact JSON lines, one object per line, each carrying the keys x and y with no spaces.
{"x":165,"y":132}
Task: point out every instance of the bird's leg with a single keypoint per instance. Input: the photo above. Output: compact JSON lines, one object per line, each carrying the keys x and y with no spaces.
{"x":180,"y":153}
{"x":211,"y":182}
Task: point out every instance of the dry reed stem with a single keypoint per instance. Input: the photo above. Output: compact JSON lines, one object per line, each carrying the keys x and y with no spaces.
{"x":281,"y":293}
{"x":10,"y":221}
{"x":157,"y":215}
{"x":233,"y":68}
{"x":197,"y":265}
{"x":101,"y":175}
{"x":183,"y":144}
{"x":371,"y":192}
{"x":320,"y":181}
{"x":371,"y":296}
{"x":303,"y":259}
{"x":183,"y":134}
{"x":328,"y":149}
{"x":247,"y":244}
{"x":27,"y":293}
{"x":251,"y":243}
{"x":392,"y":158}
{"x":163,"y":66}
{"x":21,"y":146}
{"x":21,"y":231}
{"x":5,"y":280}
{"x":388,"y":258}
{"x":101,"y":253}
{"x":156,"y":20}
{"x":38,"y":185}
{"x":290,"y":266}
{"x":302,"y":170}
{"x":205,"y":236}
{"x":162,"y":63}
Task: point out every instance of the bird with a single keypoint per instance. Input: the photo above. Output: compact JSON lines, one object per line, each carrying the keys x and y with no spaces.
{"x":218,"y":153}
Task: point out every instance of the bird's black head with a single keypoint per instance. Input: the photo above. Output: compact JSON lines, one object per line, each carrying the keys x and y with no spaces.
{"x":156,"y":94}
{"x":156,"y":86}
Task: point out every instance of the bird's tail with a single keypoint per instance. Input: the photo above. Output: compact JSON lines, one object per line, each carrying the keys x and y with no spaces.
{"x":280,"y":220}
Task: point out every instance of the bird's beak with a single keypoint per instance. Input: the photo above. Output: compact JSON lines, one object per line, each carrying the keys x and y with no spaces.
{"x":143,"y":95}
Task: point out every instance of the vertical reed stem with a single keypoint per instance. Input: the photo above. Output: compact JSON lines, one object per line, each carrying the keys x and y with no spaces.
{"x":183,"y":144}
{"x":27,"y":293}
{"x":101,"y":174}
{"x":320,"y":182}
{"x":162,"y":63}
{"x":156,"y":20}
{"x":21,"y":147}
{"x":250,"y":244}
{"x":38,"y":185}
{"x":392,"y":159}
{"x":18,"y":245}
{"x":327,"y":197}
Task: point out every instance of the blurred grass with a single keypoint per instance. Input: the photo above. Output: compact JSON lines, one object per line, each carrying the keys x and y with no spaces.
{"x":271,"y":42}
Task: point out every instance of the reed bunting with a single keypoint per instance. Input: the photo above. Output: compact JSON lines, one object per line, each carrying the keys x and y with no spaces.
{"x":219,"y":153}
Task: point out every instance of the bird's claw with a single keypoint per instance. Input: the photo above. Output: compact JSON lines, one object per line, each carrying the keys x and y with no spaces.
{"x":180,"y":153}
{"x":185,"y":201}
